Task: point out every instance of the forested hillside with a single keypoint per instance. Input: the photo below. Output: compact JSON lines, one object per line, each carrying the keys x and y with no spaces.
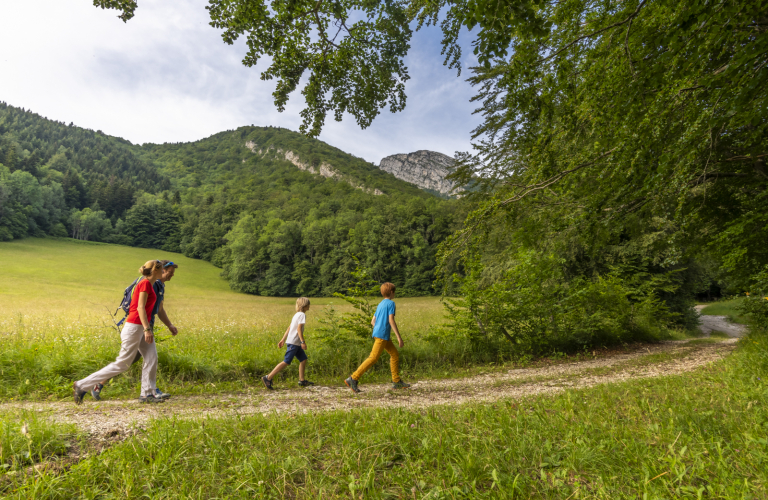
{"x":279,"y":230}
{"x":249,"y":152}
{"x":91,"y":167}
{"x":282,"y":214}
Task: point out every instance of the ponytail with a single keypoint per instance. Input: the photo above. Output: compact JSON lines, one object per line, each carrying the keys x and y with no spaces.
{"x":149,"y":266}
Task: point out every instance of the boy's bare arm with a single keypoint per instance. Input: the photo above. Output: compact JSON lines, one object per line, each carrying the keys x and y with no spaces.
{"x":394,"y":329}
{"x":373,"y":321}
{"x":285,"y":336}
{"x":301,"y":334}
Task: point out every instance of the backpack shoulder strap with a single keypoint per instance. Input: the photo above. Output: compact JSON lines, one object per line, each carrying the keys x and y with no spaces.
{"x":133,"y":286}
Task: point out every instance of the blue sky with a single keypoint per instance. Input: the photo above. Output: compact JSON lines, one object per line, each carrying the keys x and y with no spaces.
{"x":166,"y":76}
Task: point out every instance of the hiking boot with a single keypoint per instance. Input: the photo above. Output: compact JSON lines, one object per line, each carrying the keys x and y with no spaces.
{"x":78,"y":394}
{"x":96,"y":392}
{"x":149,"y":399}
{"x":267,"y":383}
{"x":352,"y":384}
{"x":305,"y":383}
{"x":400,"y":385}
{"x":161,"y":395}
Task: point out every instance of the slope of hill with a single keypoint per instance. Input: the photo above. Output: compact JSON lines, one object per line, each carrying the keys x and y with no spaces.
{"x":280,"y":213}
{"x":91,"y":167}
{"x":251,"y":152}
{"x":288,"y":215}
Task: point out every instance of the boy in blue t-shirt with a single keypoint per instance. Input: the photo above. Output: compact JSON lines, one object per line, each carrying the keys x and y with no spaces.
{"x":383,"y":324}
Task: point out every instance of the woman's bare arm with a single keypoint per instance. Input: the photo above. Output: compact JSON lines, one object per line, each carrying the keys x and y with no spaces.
{"x":142,"y":310}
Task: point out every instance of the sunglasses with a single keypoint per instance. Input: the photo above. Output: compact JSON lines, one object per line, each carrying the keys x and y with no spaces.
{"x":168,"y":264}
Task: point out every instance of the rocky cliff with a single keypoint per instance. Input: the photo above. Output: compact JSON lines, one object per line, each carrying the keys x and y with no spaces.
{"x":324,"y":169}
{"x":426,"y":169}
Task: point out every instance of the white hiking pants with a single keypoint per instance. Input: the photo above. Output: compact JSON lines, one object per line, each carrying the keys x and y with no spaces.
{"x":132,"y":338}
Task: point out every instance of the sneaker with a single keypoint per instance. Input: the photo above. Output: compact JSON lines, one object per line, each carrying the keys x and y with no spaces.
{"x":305,"y":383}
{"x":149,"y":399}
{"x":267,"y":382}
{"x":400,"y":385}
{"x":78,"y":394}
{"x":96,"y":392}
{"x":352,"y":384}
{"x":161,"y":395}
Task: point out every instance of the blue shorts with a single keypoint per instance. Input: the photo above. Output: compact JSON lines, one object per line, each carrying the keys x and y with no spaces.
{"x":294,"y":351}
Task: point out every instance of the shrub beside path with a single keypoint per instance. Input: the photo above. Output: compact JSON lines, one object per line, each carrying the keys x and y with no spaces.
{"x":120,"y":418}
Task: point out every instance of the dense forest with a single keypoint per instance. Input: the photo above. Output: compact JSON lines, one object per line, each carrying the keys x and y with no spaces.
{"x":237,"y":199}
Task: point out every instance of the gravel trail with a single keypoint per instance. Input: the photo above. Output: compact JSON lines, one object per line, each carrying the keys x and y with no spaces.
{"x":120,"y":418}
{"x":711,"y":324}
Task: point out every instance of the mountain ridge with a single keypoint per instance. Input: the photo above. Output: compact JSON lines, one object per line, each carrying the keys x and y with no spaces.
{"x":278,"y":145}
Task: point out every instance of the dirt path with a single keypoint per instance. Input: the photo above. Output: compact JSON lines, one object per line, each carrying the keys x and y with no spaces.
{"x":711,"y":324}
{"x":115,"y":419}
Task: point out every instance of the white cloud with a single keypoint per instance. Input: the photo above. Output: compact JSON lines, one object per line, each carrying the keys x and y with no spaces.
{"x":166,"y":76}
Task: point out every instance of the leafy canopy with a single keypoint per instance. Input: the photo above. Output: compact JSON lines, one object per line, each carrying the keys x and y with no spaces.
{"x":629,"y":109}
{"x":352,"y":52}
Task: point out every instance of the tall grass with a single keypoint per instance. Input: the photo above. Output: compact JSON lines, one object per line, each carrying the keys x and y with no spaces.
{"x":27,"y":438}
{"x":700,"y":435}
{"x":56,"y":324}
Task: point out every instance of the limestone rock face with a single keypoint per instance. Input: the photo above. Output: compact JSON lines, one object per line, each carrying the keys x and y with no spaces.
{"x":425,"y":169}
{"x":324,"y":169}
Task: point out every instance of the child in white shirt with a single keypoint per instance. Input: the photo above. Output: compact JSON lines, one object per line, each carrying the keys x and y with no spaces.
{"x":293,"y":339}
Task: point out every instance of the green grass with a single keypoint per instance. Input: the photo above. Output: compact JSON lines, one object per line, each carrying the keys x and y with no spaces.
{"x":700,"y":435}
{"x":26,"y":439}
{"x":727,"y":308}
{"x":56,"y":325}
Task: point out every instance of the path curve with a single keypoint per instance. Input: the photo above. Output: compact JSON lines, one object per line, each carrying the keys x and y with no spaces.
{"x":711,"y":324}
{"x":119,"y":418}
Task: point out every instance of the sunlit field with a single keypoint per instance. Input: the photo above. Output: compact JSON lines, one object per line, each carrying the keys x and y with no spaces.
{"x":57,"y":298}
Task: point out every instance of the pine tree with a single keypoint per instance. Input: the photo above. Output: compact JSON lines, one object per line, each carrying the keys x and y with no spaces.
{"x":10,"y":157}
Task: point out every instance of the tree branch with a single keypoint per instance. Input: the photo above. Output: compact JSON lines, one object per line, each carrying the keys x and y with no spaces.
{"x":506,"y":333}
{"x":626,"y":48}
{"x":594,"y":33}
{"x":467,"y":233}
{"x":714,"y":176}
{"x":545,"y":184}
{"x":745,"y":158}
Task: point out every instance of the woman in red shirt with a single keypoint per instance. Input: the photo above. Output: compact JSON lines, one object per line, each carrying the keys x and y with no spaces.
{"x":136,"y":336}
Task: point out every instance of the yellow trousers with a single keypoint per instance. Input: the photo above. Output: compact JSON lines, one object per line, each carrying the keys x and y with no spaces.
{"x":394,"y":359}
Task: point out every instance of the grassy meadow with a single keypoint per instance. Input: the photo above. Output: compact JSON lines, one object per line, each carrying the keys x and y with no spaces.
{"x":699,"y":435}
{"x":57,"y":297}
